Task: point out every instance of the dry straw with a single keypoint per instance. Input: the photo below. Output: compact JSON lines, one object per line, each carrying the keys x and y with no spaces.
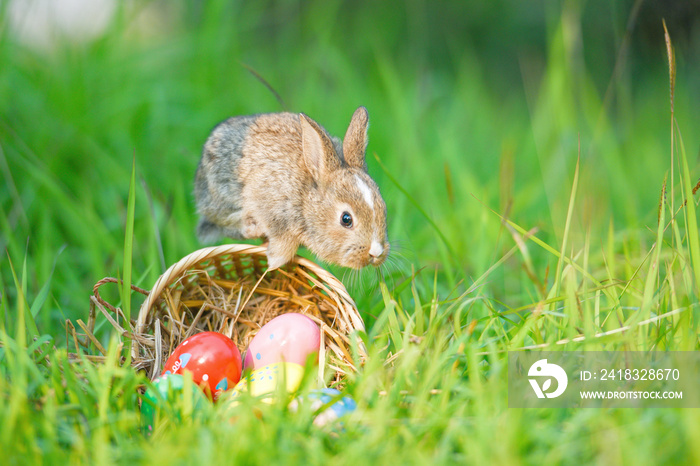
{"x":228,"y":289}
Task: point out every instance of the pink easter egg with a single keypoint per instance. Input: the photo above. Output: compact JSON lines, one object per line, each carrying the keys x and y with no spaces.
{"x":289,"y":337}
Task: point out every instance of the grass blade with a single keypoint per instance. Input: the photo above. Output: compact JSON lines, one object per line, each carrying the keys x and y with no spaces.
{"x":691,"y":224}
{"x":24,"y":316}
{"x":653,"y":272}
{"x":390,"y":310}
{"x":44,"y":292}
{"x":567,"y":228}
{"x":129,"y":245}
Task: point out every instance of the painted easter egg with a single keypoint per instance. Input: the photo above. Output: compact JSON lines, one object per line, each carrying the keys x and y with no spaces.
{"x":288,"y":337}
{"x":212,"y":358}
{"x":266,"y":381}
{"x":166,"y":392}
{"x":334,"y":405}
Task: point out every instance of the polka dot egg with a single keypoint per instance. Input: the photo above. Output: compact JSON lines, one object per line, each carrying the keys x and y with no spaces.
{"x":334,"y":405}
{"x":212,"y":358}
{"x":266,"y":381}
{"x":289,"y":337}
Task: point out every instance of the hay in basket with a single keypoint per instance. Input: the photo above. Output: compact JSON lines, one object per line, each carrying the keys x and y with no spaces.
{"x":228,"y":289}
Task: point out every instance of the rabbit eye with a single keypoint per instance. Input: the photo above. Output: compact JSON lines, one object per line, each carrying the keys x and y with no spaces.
{"x":346,"y":220}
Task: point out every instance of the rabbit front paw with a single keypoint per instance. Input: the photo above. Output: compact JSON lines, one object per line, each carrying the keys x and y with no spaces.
{"x":280,"y":251}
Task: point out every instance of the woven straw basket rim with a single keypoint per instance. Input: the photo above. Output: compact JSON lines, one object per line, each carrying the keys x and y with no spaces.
{"x":176,"y":270}
{"x":299,"y":271}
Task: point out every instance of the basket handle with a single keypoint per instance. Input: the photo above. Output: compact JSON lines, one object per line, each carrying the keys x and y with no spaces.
{"x":95,"y":291}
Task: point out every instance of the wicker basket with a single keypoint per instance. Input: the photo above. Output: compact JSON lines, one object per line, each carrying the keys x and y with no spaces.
{"x":228,"y":289}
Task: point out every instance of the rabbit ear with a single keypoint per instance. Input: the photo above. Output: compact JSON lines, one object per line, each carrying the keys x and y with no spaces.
{"x":318,"y":152}
{"x":355,"y":141}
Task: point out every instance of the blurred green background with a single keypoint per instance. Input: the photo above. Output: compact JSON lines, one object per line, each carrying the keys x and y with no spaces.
{"x":473,"y":106}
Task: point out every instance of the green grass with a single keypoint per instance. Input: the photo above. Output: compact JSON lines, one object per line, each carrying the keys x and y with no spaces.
{"x":530,"y":210}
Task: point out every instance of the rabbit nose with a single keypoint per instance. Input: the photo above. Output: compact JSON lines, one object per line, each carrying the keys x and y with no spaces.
{"x":376,"y":250}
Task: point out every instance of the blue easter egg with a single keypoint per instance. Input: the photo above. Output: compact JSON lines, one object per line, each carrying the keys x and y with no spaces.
{"x":325,"y":401}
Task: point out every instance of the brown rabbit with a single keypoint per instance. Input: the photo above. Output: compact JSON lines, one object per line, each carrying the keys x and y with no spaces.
{"x":282,"y":177}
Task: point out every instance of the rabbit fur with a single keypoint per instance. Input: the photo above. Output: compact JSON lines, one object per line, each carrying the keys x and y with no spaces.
{"x":282,"y":177}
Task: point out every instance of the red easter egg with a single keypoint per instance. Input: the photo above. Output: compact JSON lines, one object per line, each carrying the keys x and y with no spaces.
{"x":212,"y":358}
